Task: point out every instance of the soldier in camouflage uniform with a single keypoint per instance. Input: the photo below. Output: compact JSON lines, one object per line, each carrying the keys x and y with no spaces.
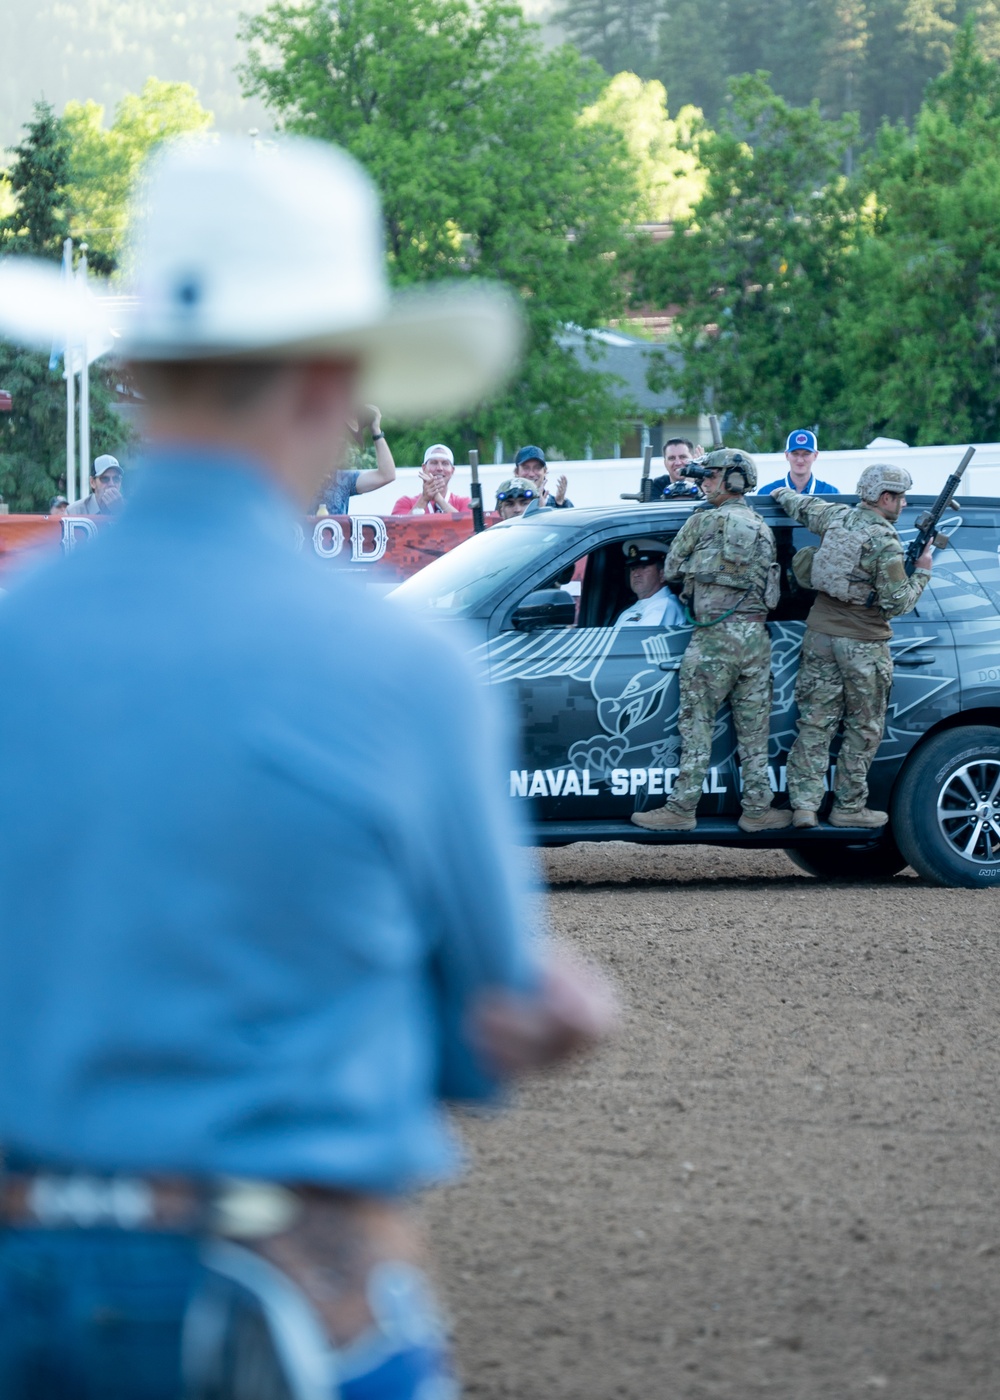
{"x":726,"y":557}
{"x":845,"y":671}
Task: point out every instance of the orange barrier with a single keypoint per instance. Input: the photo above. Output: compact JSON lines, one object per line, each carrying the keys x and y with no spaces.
{"x":396,"y":546}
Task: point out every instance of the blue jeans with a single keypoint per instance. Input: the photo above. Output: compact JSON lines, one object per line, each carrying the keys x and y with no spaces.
{"x":126,"y":1315}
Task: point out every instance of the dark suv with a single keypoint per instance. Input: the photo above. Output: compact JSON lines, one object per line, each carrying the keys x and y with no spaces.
{"x":598,"y":703}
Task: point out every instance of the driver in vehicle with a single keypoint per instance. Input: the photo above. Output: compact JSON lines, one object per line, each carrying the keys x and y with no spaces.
{"x":655,"y":605}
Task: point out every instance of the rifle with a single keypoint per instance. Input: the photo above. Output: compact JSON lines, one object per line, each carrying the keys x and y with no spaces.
{"x":476,"y":493}
{"x":928,"y":522}
{"x":645,"y":492}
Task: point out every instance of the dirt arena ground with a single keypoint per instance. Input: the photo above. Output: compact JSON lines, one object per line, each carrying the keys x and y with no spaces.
{"x":781,"y":1178}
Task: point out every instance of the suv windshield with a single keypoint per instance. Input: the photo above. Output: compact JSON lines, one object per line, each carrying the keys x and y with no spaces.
{"x":459,"y":580}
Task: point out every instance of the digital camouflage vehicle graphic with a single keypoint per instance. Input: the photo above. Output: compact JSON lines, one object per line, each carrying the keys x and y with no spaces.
{"x":598,"y":702}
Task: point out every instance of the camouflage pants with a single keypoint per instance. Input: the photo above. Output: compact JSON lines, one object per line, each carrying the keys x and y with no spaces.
{"x":840,"y":678}
{"x":730,"y":661}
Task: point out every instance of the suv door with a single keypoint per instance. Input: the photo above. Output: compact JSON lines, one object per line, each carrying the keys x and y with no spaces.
{"x":598,"y":705}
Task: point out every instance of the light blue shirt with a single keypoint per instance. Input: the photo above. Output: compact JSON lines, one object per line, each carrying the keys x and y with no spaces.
{"x":813,"y":487}
{"x":254,"y":857}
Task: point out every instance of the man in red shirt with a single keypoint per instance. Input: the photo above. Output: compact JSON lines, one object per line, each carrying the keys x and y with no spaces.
{"x":436,"y":472}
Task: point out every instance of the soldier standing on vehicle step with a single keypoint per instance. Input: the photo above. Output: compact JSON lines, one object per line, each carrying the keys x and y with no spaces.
{"x":845,"y":672}
{"x":726,"y":556}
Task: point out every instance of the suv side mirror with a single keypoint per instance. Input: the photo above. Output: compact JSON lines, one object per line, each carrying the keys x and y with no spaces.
{"x":546,"y":607}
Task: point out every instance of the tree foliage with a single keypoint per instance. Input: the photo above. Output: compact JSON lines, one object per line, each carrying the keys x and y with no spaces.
{"x":102,"y":49}
{"x":619,"y":34}
{"x":671,"y":178}
{"x":38,"y":181}
{"x":473,"y":135}
{"x":104,"y":161}
{"x":33,"y":436}
{"x":919,"y":329}
{"x":870,"y":56}
{"x":758,"y":267}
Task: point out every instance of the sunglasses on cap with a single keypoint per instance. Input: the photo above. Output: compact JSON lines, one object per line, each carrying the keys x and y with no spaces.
{"x":521,"y":494}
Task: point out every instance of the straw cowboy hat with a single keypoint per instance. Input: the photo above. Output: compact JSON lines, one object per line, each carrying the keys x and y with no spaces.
{"x":274,"y":253}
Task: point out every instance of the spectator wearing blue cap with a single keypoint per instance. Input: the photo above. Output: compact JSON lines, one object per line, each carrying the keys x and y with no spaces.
{"x":530,"y":464}
{"x":801,"y":451}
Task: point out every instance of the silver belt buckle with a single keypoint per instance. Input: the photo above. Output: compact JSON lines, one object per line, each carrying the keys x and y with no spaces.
{"x":89,"y":1202}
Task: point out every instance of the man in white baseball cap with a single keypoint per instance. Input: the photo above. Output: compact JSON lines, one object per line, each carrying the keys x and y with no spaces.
{"x":433,"y":498}
{"x":105,"y":489}
{"x":225,"y":1049}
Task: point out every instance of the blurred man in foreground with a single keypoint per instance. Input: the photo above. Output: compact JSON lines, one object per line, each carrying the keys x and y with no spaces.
{"x":225,"y":1047}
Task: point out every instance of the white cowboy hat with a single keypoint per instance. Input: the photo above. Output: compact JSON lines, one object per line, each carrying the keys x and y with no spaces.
{"x":275,"y":252}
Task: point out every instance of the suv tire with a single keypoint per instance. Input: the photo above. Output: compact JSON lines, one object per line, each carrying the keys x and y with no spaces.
{"x":946,"y":808}
{"x":872,"y":860}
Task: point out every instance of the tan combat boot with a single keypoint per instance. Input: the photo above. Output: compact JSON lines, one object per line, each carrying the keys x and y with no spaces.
{"x":864,"y":817}
{"x":773,"y":819}
{"x":804,"y":817}
{"x":665,"y":819}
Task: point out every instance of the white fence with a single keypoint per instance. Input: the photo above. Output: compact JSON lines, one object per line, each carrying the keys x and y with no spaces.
{"x":601,"y":483}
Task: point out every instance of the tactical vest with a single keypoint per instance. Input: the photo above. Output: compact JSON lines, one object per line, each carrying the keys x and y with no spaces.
{"x":836,"y":562}
{"x":736,"y":553}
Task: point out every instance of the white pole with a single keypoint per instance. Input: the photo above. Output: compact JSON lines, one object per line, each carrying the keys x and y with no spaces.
{"x":85,"y":464}
{"x":68,"y":358}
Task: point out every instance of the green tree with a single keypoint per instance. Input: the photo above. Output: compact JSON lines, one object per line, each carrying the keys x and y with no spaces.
{"x":38,"y":182}
{"x":104,"y":161}
{"x":671,"y":179}
{"x":472,"y":133}
{"x":619,"y":34}
{"x":870,"y":56}
{"x":919,"y":328}
{"x":33,"y":435}
{"x":758,"y":269}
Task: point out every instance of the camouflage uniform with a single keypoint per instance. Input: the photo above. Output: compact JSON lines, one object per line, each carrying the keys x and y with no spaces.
{"x":724,"y":555}
{"x":845,"y":672}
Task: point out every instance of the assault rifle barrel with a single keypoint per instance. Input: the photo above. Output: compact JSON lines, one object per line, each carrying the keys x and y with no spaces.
{"x":476,"y":493}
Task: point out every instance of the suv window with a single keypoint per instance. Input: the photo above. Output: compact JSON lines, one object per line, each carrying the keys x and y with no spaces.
{"x":965,"y":581}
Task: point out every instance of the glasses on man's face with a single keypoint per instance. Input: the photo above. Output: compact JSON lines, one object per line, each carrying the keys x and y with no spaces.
{"x":111,"y":478}
{"x":516,"y":496}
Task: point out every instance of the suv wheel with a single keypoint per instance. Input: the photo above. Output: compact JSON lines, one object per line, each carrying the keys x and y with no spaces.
{"x":840,"y":860}
{"x":946,"y":808}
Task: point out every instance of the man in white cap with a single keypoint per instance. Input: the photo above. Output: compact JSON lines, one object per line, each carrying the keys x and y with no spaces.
{"x":225,"y":1047}
{"x":435,"y":475}
{"x":105,"y":489}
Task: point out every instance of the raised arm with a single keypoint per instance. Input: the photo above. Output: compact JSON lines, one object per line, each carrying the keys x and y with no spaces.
{"x":811,"y":511}
{"x":385,"y":471}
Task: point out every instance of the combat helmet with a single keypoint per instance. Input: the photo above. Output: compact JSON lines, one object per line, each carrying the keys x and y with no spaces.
{"x":881,"y":477}
{"x":735,"y":465}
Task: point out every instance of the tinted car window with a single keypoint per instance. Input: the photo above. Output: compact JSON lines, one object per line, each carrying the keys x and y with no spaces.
{"x":965,"y":582}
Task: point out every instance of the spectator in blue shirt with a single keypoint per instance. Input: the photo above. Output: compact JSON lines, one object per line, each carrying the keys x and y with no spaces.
{"x":801,"y":451}
{"x":335,"y":496}
{"x":241,"y":1023}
